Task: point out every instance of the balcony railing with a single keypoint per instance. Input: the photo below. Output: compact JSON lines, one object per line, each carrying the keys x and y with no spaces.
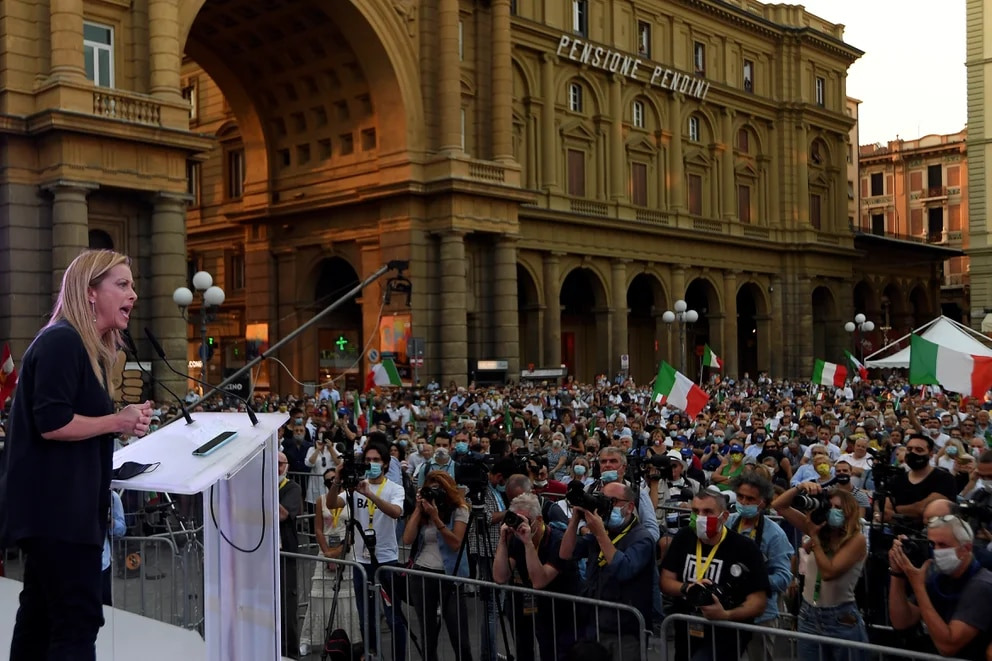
{"x":934,"y":192}
{"x":126,"y":108}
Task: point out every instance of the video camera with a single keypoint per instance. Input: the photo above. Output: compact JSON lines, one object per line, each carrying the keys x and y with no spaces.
{"x":576,"y":496}
{"x":653,"y":467}
{"x":815,"y":507}
{"x":472,"y":472}
{"x":882,"y":470}
{"x":978,"y":508}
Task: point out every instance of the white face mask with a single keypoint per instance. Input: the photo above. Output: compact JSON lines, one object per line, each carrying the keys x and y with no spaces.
{"x":946,"y":560}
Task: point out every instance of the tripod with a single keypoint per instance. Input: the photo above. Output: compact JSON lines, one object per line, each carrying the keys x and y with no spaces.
{"x":477,"y":522}
{"x":369,"y":540}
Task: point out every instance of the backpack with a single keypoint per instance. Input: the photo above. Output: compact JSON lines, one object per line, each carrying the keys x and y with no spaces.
{"x":338,"y":646}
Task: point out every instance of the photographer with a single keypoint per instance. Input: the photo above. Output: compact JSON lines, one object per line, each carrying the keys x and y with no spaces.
{"x":441,"y":461}
{"x":836,"y":554}
{"x":716,"y":572}
{"x":321,"y":457}
{"x":620,"y":566}
{"x":613,"y":468}
{"x":754,"y":494}
{"x":376,"y":506}
{"x":436,"y":529}
{"x":528,"y":554}
{"x":951,"y":591}
{"x":913,"y":491}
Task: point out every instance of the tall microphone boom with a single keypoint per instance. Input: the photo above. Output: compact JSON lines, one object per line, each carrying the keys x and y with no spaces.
{"x":161,"y":354}
{"x":130,"y":348}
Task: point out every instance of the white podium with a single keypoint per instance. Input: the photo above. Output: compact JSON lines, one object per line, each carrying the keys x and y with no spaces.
{"x":239,"y":483}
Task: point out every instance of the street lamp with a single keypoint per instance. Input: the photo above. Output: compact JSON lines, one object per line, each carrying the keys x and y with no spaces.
{"x":682,"y":316}
{"x":213,"y":297}
{"x":858,"y":326}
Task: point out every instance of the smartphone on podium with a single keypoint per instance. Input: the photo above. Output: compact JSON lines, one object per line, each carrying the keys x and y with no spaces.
{"x":214,"y":443}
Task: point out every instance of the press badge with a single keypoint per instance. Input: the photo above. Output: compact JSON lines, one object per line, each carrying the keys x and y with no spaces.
{"x":529,"y":604}
{"x":696,"y":630}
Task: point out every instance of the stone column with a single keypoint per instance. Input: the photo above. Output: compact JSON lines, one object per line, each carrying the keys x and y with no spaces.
{"x":778,"y":342}
{"x":618,"y":170}
{"x":552,"y":311}
{"x":66,"y":34}
{"x":619,"y":343}
{"x":506,"y":321}
{"x":449,"y":83}
{"x":678,"y":284}
{"x":676,"y":166}
{"x":727,"y":165}
{"x":454,"y":323}
{"x":70,"y":226}
{"x":729,"y":324}
{"x":164,"y":52}
{"x":549,"y":156}
{"x":168,"y":271}
{"x":802,"y":176}
{"x":502,"y":84}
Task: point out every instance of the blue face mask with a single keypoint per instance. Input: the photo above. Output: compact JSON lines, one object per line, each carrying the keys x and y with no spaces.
{"x":298,"y":421}
{"x":402,"y":444}
{"x":835,"y":517}
{"x":374,"y":471}
{"x":748,"y":511}
{"x":609,"y":476}
{"x":616,"y":518}
{"x":501,"y":488}
{"x":461,"y":447}
{"x":579,"y":470}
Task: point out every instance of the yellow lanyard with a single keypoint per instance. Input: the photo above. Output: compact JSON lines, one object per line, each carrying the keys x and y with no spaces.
{"x":602,"y":558}
{"x":372,"y":506}
{"x":700,"y":566}
{"x":283,"y":482}
{"x":750,"y":533}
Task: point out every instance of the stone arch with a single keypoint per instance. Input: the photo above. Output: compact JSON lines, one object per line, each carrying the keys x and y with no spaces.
{"x":826,"y":325}
{"x":646,"y":300}
{"x":703,"y":296}
{"x":754,"y":340}
{"x":585,"y":330}
{"x":523,"y":79}
{"x":595,"y":98}
{"x":920,"y":305}
{"x":819,"y":152}
{"x":865,"y":299}
{"x":654,"y":112}
{"x":756,"y":139}
{"x":708,"y":123}
{"x":529,"y":316}
{"x":100,"y":240}
{"x":337,"y":341}
{"x":895,"y":310}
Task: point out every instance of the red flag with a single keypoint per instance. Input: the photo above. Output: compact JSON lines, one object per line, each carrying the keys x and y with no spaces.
{"x":8,"y":374}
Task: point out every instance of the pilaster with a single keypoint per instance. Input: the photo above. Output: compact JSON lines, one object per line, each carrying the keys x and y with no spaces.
{"x":70,"y":225}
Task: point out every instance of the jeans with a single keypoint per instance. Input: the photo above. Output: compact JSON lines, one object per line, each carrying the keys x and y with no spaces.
{"x":842,"y":622}
{"x":61,"y":607}
{"x":397,"y":623}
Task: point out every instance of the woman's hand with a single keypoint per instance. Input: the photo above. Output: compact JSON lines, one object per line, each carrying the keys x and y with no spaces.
{"x":428,"y":508}
{"x":134,"y":419}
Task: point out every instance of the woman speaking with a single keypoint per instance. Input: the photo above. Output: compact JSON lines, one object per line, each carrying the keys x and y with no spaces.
{"x":59,"y":458}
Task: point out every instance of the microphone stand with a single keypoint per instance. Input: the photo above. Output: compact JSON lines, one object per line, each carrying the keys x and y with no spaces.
{"x":397,"y":265}
{"x":130,"y":348}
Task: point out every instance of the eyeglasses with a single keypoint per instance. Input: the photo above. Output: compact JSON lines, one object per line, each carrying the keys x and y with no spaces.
{"x":938,"y":521}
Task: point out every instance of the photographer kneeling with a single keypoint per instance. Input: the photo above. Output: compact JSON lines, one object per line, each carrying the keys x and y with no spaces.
{"x":438,"y":526}
{"x":951,"y":592}
{"x":715,"y":572}
{"x":836,"y":555}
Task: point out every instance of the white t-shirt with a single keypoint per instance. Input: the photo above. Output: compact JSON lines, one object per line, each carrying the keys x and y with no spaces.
{"x":386,"y":547}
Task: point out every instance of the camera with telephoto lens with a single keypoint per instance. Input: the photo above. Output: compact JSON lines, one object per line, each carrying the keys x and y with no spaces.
{"x":702,"y":594}
{"x":917,"y":549}
{"x":512,"y":519}
{"x":576,"y":496}
{"x":472,"y":472}
{"x":815,"y":507}
{"x":653,"y":466}
{"x":978,"y":508}
{"x":352,"y":471}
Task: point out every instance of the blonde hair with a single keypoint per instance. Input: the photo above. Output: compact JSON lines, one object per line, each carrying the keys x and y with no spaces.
{"x":86,"y":272}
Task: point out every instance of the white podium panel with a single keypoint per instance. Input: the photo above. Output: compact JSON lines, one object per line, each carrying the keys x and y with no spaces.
{"x":239,"y":482}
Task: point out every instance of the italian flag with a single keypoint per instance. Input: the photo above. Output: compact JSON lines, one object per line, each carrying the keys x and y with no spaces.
{"x":829,"y":374}
{"x":383,"y":374}
{"x":676,"y":389}
{"x":710,"y":359}
{"x":862,"y":370}
{"x":8,"y":374}
{"x":931,"y":363}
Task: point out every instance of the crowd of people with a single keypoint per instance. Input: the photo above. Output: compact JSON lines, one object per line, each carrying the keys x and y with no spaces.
{"x":866,"y":504}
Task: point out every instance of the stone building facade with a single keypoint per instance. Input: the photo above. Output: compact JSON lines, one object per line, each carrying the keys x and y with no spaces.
{"x":556,"y":173}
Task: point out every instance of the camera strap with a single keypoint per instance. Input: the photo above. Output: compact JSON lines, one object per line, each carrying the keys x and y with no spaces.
{"x":623,"y":533}
{"x":702,"y":567}
{"x":372,"y":507}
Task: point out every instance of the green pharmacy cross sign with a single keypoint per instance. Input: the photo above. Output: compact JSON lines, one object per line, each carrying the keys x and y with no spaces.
{"x":342,"y":343}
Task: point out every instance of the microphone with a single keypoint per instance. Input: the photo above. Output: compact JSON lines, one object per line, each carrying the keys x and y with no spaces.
{"x":130,"y":348}
{"x":161,"y":354}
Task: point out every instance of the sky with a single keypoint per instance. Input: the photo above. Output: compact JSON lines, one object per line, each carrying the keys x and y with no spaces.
{"x":911,"y":80}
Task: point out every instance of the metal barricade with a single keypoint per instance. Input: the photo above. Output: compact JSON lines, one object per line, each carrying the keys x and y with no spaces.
{"x":698,"y":638}
{"x":315,"y":604}
{"x":484,"y":621}
{"x":152,"y":577}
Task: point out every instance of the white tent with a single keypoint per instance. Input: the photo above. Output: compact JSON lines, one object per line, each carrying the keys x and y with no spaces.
{"x":943,"y":331}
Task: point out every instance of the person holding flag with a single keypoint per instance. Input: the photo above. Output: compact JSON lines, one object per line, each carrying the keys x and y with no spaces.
{"x":672,"y":388}
{"x":711,"y":360}
{"x":858,"y":366}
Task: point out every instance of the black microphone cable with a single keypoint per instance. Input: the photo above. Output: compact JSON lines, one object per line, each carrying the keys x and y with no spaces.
{"x":130,"y":348}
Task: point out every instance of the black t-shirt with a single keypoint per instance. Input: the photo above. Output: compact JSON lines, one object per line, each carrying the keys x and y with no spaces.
{"x":938,"y":481}
{"x":735,"y":549}
{"x":290,"y":497}
{"x":39,"y":476}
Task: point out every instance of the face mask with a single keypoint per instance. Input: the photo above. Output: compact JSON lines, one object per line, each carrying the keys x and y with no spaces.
{"x":402,"y":444}
{"x":152,"y":428}
{"x":748,"y":511}
{"x":843,"y":479}
{"x":556,"y":444}
{"x":917,"y":461}
{"x":823,"y":469}
{"x":441,"y":455}
{"x":579,"y":470}
{"x":736,"y":457}
{"x":975,"y":452}
{"x":374,"y":471}
{"x":934,"y":433}
{"x":673,"y":433}
{"x":461,"y":447}
{"x":835,"y":517}
{"x":946,"y":560}
{"x":540,"y":483}
{"x":298,"y":437}
{"x":130,"y":469}
{"x":298,"y":421}
{"x":951,"y":451}
{"x":609,"y":476}
{"x":616,"y":518}
{"x":501,"y":488}
{"x":706,"y":526}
